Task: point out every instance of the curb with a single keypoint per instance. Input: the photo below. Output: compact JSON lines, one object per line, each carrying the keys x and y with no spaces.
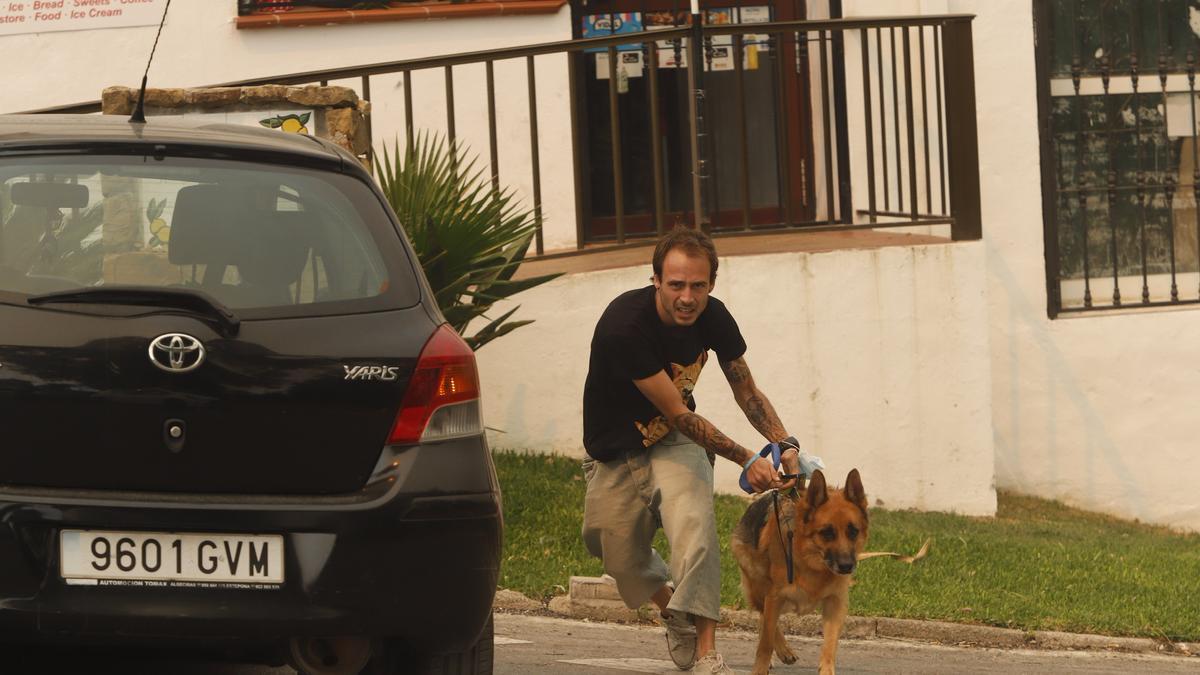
{"x":596,"y":599}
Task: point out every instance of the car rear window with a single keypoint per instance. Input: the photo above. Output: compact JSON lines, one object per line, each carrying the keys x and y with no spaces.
{"x":283,"y":240}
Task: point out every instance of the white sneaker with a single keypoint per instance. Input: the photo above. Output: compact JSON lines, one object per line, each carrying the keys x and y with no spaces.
{"x":713,"y":663}
{"x":681,"y":638}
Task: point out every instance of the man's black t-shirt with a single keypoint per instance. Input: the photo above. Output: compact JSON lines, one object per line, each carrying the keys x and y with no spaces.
{"x":631,"y":343}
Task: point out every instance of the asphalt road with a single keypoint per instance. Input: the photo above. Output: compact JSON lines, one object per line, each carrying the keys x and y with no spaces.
{"x":558,"y":646}
{"x":533,"y":644}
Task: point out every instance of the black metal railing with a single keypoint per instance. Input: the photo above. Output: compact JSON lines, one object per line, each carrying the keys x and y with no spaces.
{"x":917,"y":161}
{"x":874,"y":126}
{"x":1121,"y":176}
{"x":947,"y":125}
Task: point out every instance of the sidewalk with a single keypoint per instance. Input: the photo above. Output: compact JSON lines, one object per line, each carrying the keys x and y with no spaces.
{"x":596,"y":599}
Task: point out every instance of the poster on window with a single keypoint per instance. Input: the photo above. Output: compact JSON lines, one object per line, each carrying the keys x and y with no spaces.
{"x":671,"y":53}
{"x":1179,"y":115}
{"x":719,"y":55}
{"x":756,"y":15}
{"x":607,"y":25}
{"x":629,"y":64}
{"x":755,"y":43}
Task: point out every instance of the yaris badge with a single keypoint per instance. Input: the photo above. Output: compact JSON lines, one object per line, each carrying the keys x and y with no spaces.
{"x":176,"y":352}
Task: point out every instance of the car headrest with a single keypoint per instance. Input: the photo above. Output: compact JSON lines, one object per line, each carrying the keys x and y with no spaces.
{"x":276,"y":247}
{"x":203,"y":227}
{"x":214,"y":225}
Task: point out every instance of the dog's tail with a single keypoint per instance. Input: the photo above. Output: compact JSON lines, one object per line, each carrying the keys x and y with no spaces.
{"x":910,"y":559}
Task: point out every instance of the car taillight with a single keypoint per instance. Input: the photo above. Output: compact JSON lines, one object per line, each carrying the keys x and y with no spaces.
{"x":442,"y":400}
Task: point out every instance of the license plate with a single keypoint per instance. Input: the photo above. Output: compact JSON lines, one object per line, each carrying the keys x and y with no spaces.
{"x":93,"y":557}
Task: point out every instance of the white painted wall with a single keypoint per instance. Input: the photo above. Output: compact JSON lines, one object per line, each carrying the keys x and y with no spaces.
{"x":201,"y":46}
{"x":875,"y":359}
{"x":1095,"y":411}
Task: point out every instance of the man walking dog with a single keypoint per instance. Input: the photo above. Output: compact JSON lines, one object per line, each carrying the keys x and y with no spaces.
{"x":650,"y":456}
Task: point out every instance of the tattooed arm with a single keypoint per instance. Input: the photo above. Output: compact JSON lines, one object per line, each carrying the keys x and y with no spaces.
{"x":753,"y":402}
{"x":758,"y":409}
{"x":659,"y":389}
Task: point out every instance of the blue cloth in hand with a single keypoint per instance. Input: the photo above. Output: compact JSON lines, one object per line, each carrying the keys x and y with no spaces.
{"x":773,"y":451}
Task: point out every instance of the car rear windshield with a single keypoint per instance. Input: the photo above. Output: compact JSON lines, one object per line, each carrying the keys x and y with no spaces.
{"x":276,"y":240}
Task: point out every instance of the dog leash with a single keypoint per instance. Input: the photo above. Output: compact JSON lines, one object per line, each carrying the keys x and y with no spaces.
{"x":775,"y":451}
{"x":787,"y":547}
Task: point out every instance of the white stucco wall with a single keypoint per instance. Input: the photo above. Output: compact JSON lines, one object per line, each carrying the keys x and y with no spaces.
{"x":200,"y":46}
{"x":1096,"y":410}
{"x":875,"y":359}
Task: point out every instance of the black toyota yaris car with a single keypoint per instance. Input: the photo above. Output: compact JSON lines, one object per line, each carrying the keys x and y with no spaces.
{"x":230,"y":410}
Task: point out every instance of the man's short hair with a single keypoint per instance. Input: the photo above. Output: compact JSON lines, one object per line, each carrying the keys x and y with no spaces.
{"x":694,"y":243}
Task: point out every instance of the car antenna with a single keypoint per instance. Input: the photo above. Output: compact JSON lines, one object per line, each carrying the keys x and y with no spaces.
{"x":139,"y":112}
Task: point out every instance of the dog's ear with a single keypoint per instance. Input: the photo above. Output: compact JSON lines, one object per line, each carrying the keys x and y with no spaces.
{"x":854,"y":490}
{"x":816,"y":493}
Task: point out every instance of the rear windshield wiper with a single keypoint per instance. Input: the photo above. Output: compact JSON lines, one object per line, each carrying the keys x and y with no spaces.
{"x":191,"y":300}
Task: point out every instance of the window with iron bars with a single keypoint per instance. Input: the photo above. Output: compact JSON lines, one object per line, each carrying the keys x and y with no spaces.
{"x":1119,"y":152}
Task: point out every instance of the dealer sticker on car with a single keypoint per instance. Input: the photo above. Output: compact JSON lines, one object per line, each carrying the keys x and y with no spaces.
{"x":101,"y":558}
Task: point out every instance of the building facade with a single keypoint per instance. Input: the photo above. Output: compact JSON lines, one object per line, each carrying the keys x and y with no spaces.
{"x":943,"y":367}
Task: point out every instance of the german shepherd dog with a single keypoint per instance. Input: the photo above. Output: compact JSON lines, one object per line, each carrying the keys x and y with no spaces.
{"x":825,"y":530}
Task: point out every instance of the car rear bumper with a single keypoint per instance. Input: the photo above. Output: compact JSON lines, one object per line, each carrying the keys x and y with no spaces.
{"x":419,"y":562}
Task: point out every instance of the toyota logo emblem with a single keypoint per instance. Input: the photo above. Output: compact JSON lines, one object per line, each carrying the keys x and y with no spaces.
{"x":176,"y":352}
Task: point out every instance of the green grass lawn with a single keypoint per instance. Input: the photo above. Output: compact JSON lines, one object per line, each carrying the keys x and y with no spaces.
{"x":1038,"y":565}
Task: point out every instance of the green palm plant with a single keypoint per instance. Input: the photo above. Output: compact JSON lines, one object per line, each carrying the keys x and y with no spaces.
{"x":469,"y":237}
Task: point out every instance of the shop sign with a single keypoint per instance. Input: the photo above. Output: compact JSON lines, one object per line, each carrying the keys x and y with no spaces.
{"x":46,"y":16}
{"x":673,"y":53}
{"x":607,"y":25}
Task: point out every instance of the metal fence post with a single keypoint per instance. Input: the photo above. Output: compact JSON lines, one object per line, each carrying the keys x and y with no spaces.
{"x":961,"y":130}
{"x":695,"y":74}
{"x":574,"y":77}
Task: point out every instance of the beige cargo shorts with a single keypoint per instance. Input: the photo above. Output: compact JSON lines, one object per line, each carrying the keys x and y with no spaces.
{"x":669,"y":485}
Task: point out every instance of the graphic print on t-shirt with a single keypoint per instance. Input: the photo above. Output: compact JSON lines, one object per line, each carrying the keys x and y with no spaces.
{"x":685,"y":379}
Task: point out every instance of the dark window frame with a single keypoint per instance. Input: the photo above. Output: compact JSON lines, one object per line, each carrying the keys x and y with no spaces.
{"x":1145,"y":175}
